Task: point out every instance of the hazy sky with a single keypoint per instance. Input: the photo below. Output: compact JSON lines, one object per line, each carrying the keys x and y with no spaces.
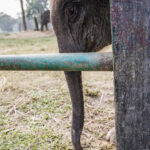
{"x":10,"y":7}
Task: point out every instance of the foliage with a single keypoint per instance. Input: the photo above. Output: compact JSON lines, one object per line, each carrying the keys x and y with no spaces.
{"x":6,"y":23}
{"x":36,"y":7}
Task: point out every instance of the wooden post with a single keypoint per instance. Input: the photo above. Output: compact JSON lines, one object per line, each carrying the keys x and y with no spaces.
{"x":131,"y":46}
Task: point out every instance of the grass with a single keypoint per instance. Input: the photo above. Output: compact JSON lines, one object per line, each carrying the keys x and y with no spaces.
{"x":35,"y":107}
{"x":28,"y":46}
{"x":47,"y":139}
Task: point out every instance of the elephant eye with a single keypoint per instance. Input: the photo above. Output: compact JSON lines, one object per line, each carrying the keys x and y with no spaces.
{"x":72,"y":11}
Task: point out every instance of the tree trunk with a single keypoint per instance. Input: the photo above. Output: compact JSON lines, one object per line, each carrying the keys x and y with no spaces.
{"x":36,"y":24}
{"x":23,"y":15}
{"x":131,"y":46}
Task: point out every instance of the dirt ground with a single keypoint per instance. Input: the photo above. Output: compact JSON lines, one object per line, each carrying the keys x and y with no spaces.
{"x":35,"y":107}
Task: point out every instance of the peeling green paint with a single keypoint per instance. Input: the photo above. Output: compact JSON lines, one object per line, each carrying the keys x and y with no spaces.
{"x":57,"y":62}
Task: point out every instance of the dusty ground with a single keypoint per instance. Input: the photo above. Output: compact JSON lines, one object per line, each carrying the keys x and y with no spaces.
{"x":35,"y":108}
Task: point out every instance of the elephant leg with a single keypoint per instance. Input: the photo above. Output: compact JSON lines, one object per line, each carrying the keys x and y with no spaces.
{"x":41,"y":27}
{"x":46,"y":27}
{"x":74,"y":81}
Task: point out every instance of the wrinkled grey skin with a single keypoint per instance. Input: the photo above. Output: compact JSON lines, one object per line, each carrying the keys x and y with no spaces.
{"x":80,"y":26}
{"x":45,"y":19}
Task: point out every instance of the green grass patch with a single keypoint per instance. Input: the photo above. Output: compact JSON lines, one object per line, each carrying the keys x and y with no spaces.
{"x":28,"y":46}
{"x":35,"y":139}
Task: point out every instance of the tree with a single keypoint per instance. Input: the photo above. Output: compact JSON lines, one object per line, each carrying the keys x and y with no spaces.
{"x":7,"y":23}
{"x":35,"y":8}
{"x":23,"y":15}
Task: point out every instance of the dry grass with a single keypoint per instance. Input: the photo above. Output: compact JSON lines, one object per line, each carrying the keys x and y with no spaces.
{"x":28,"y":34}
{"x":35,"y":107}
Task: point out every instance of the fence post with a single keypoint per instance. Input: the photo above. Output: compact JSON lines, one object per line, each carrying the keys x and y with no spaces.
{"x":131,"y":46}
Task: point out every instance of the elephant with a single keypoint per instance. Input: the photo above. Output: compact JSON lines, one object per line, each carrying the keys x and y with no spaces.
{"x":80,"y":26}
{"x":45,"y":19}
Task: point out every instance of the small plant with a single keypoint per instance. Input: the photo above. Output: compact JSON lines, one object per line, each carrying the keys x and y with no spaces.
{"x":91,"y":93}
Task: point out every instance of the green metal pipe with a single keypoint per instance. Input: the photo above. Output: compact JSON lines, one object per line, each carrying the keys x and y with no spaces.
{"x":58,"y":62}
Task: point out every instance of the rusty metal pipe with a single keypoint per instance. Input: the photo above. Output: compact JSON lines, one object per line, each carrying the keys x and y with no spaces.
{"x":58,"y":62}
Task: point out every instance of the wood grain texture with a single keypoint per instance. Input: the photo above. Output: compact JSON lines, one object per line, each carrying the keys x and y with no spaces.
{"x":131,"y":46}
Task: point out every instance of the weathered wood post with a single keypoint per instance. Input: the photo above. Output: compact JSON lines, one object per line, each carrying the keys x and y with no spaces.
{"x":131,"y":45}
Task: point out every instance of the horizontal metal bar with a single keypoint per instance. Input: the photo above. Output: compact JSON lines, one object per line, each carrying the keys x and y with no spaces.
{"x":58,"y":62}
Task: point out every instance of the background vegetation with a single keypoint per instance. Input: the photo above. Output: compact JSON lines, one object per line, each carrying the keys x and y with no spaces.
{"x":34,"y":8}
